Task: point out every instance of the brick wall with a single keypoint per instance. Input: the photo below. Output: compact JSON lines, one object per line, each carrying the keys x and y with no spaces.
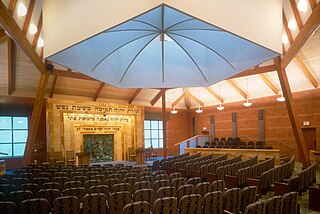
{"x":278,"y":131}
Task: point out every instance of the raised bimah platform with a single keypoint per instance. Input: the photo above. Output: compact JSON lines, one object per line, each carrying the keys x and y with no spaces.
{"x":246,"y":153}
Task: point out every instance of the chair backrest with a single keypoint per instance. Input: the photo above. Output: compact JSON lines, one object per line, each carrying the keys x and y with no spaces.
{"x":35,"y":206}
{"x":100,"y":189}
{"x":118,"y":200}
{"x":121,"y":187}
{"x":166,"y":192}
{"x":165,"y":205}
{"x":141,"y":185}
{"x":66,"y":205}
{"x":218,"y":185}
{"x":194,"y":181}
{"x":144,"y":195}
{"x":190,"y":204}
{"x":34,"y":188}
{"x":203,"y":188}
{"x":7,"y":188}
{"x":90,"y":183}
{"x":273,"y":205}
{"x":76,"y":191}
{"x":174,"y":175}
{"x":94,"y":203}
{"x":72,"y":184}
{"x":255,"y":208}
{"x":51,"y":185}
{"x":18,"y":196}
{"x":8,"y":207}
{"x":49,"y":194}
{"x":160,"y":183}
{"x":213,"y":202}
{"x":141,"y":207}
{"x":177,"y":182}
{"x":232,"y":200}
{"x":186,"y":189}
{"x":290,"y":203}
{"x":248,"y":196}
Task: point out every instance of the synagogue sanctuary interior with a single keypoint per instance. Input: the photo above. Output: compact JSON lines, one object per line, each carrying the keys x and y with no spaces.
{"x":156,"y":107}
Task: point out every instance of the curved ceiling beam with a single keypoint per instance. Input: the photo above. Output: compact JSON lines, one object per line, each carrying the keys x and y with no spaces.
{"x":177,"y":23}
{"x":206,"y":46}
{"x":146,"y":23}
{"x":121,"y":46}
{"x":194,"y":62}
{"x":134,"y":58}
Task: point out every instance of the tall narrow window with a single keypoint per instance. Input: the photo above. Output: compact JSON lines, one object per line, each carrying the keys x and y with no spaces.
{"x":13,"y":135}
{"x":153,"y":134}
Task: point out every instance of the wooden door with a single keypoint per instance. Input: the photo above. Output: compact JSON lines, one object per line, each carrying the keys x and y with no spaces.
{"x":309,"y":135}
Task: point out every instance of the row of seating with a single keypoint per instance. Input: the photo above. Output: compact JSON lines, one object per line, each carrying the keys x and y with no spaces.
{"x":235,"y":145}
{"x":299,"y":182}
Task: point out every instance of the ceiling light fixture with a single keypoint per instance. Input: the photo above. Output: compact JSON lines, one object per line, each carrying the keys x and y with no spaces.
{"x":302,"y":6}
{"x":40,"y":42}
{"x":22,"y":9}
{"x":199,"y":111}
{"x":281,"y":99}
{"x":292,"y":25}
{"x":247,"y":103}
{"x":285,"y":39}
{"x":220,"y":107}
{"x":174,"y":111}
{"x":33,"y":29}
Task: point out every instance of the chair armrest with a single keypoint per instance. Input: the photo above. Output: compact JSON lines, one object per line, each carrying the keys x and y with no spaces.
{"x":281,"y":188}
{"x":227,"y":212}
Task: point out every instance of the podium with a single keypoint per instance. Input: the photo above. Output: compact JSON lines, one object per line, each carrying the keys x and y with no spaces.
{"x":83,"y":158}
{"x":140,"y":156}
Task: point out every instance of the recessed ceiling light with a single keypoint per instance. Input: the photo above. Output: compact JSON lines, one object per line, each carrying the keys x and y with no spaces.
{"x":22,"y":9}
{"x":33,"y":29}
{"x":292,"y":25}
{"x":40,"y":42}
{"x":302,"y":6}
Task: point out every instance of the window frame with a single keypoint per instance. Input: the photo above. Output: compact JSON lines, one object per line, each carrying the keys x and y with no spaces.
{"x":14,"y":130}
{"x":159,"y":137}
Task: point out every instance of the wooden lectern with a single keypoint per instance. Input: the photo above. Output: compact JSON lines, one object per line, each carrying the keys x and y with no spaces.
{"x":83,"y":158}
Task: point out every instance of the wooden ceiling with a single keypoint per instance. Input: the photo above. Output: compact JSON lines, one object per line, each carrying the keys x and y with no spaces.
{"x":20,"y":65}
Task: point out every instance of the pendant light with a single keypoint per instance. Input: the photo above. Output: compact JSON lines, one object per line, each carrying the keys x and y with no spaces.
{"x":247,"y":103}
{"x":220,"y":107}
{"x":199,"y":110}
{"x":281,"y":99}
{"x":174,"y":111}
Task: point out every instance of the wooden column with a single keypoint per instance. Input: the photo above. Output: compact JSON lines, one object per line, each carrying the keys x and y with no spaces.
{"x":164,"y":123}
{"x":303,"y":152}
{"x":35,"y":117}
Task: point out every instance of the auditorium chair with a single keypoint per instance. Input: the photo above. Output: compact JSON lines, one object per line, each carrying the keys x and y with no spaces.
{"x":203,"y":188}
{"x":185,"y":189}
{"x":273,"y":205}
{"x":251,"y":145}
{"x":290,"y":203}
{"x":168,"y":191}
{"x":49,"y":194}
{"x":232,"y":200}
{"x":66,"y":205}
{"x":35,"y":206}
{"x":100,"y":189}
{"x":121,"y":187}
{"x":190,"y":204}
{"x":94,"y":203}
{"x":194,"y":181}
{"x":260,"y":144}
{"x":255,"y":208}
{"x":20,"y":195}
{"x":248,"y":196}
{"x":243,"y":145}
{"x":213,"y":202}
{"x":118,"y":200}
{"x":144,"y":195}
{"x":8,"y":207}
{"x":141,"y":207}
{"x":165,"y":205}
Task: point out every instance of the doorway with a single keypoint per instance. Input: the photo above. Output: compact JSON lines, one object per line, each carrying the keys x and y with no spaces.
{"x":310,"y":138}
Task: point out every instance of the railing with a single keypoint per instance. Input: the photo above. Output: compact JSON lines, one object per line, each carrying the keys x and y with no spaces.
{"x":284,"y":148}
{"x":192,"y":142}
